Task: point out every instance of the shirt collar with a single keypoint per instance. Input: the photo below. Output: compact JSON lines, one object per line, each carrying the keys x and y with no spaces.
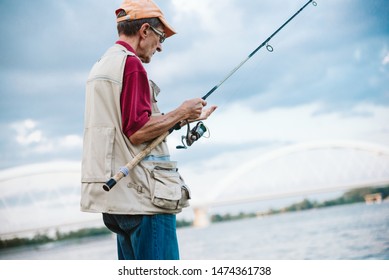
{"x":126,"y":45}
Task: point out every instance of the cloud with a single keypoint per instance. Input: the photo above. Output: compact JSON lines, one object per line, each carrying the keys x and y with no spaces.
{"x":49,"y":190}
{"x":27,"y":133}
{"x":243,"y":135}
{"x":240,"y":134}
{"x":52,"y":83}
{"x":385,"y":61}
{"x":209,"y":15}
{"x":311,"y":62}
{"x":357,"y":55}
{"x":202,"y":26}
{"x":70,"y":142}
{"x":35,"y":141}
{"x":318,"y":73}
{"x":305,"y":122}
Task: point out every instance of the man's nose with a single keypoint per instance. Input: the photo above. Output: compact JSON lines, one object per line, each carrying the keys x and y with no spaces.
{"x":159,"y":47}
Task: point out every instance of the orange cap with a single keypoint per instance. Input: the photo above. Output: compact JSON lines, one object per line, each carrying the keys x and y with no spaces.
{"x":138,"y":9}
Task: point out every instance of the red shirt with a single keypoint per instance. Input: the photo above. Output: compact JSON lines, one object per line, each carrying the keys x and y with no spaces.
{"x":135,"y":97}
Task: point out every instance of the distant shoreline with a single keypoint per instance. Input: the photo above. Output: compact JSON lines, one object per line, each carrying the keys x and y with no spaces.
{"x":352,"y":196}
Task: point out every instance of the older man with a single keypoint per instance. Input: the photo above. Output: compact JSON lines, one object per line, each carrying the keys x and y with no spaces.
{"x":121,"y":118}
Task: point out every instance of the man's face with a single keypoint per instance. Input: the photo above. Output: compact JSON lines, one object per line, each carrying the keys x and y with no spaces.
{"x":151,"y":43}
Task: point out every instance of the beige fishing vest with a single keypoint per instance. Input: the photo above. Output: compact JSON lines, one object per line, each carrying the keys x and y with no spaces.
{"x":152,"y":186}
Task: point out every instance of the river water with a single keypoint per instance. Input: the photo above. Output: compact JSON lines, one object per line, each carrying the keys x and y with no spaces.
{"x":346,"y":232}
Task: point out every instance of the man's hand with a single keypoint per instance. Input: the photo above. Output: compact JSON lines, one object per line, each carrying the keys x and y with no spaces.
{"x":205,"y":114}
{"x":193,"y":108}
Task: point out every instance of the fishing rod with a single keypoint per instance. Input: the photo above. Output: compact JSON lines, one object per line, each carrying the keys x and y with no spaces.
{"x":192,"y":135}
{"x":265,"y":43}
{"x":198,"y":131}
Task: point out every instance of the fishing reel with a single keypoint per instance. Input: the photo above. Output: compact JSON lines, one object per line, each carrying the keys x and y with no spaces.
{"x":192,"y":135}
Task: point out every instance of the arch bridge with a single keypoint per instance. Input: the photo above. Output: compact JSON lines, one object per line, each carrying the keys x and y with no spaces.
{"x":299,"y":170}
{"x":45,"y":197}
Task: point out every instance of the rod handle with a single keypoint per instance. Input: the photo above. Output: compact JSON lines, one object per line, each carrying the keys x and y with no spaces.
{"x":138,"y":158}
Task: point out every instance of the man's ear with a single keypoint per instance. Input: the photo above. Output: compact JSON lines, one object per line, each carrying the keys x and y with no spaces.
{"x":144,"y":30}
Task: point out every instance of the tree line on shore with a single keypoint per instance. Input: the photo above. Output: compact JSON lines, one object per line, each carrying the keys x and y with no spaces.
{"x":352,"y":196}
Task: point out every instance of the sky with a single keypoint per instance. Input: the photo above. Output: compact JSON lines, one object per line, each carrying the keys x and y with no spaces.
{"x":327,"y":78}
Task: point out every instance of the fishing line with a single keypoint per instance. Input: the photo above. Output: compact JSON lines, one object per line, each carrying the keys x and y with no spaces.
{"x":195,"y":134}
{"x":265,"y":43}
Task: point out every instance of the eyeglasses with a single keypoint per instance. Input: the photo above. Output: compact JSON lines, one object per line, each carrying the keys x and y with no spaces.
{"x":162,"y":35}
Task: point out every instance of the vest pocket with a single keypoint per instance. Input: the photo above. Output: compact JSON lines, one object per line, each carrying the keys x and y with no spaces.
{"x":98,"y":154}
{"x":169,"y":190}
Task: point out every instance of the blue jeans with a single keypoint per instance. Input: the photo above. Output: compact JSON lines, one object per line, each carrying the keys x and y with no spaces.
{"x":144,"y":237}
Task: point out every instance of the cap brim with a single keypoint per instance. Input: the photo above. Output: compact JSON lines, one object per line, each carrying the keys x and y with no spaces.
{"x":169,"y":31}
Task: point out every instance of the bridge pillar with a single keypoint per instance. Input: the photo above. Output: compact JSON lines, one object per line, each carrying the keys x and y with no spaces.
{"x":201,"y":218}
